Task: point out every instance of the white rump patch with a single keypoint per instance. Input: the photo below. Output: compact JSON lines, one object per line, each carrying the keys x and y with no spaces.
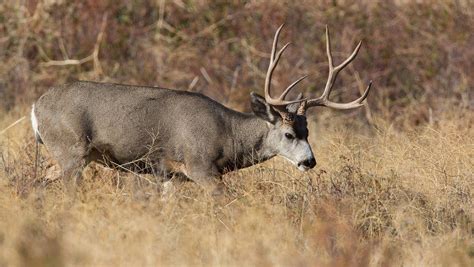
{"x":34,"y":122}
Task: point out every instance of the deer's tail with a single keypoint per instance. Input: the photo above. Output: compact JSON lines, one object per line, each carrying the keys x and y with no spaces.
{"x":34,"y":124}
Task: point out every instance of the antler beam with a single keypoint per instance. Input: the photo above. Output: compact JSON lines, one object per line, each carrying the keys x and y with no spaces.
{"x":274,"y":58}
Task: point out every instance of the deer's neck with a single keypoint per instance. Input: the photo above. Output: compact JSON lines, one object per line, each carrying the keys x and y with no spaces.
{"x":248,"y":142}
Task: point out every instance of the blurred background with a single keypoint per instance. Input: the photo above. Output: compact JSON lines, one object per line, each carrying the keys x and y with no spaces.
{"x":419,"y":54}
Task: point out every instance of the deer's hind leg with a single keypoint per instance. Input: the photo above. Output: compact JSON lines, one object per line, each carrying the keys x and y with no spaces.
{"x":72,"y":160}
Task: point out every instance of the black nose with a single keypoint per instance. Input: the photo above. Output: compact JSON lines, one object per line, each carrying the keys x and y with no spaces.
{"x":310,"y":163}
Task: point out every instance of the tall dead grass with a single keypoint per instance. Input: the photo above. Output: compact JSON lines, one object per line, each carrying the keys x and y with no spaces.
{"x":377,"y":198}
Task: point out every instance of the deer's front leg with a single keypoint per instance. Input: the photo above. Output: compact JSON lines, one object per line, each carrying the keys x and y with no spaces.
{"x":206,"y":175}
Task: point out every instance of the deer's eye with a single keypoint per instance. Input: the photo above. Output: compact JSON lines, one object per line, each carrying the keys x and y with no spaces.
{"x":289,"y":136}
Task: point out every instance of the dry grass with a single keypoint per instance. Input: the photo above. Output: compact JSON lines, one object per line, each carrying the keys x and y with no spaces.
{"x":377,"y":198}
{"x":394,"y":182}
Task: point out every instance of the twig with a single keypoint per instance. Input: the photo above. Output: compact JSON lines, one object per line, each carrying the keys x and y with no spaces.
{"x":235,"y":199}
{"x":193,"y":83}
{"x":234,"y":82}
{"x":132,"y":172}
{"x":13,"y":124}
{"x":161,"y":14}
{"x":95,"y":53}
{"x":226,"y":227}
{"x":206,"y":75}
{"x":212,"y":27}
{"x":94,"y":56}
{"x":67,"y":62}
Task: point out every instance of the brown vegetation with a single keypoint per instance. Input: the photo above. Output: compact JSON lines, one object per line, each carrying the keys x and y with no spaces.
{"x":394,"y":181}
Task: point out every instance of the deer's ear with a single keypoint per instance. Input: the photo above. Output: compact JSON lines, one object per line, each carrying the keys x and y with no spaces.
{"x":262,"y":109}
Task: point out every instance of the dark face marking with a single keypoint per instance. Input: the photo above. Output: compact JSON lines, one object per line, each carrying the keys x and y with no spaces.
{"x":300,"y":126}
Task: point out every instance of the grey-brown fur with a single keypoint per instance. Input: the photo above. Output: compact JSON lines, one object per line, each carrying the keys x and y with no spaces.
{"x":179,"y":131}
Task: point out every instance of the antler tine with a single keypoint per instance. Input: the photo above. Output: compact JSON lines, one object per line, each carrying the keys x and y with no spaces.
{"x":288,"y":89}
{"x":275,"y":42}
{"x":274,"y":59}
{"x":328,"y":48}
{"x":333,"y":72}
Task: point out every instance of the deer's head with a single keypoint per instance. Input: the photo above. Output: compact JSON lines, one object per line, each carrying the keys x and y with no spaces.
{"x":288,"y":134}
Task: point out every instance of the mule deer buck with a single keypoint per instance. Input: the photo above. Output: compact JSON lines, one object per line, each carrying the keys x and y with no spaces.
{"x":193,"y":134}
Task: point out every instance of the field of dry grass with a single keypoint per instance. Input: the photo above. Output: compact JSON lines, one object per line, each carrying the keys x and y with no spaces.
{"x":394,"y":182}
{"x":380,"y":197}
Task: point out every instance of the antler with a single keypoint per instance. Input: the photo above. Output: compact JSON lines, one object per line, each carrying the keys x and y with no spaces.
{"x":333,"y":72}
{"x":274,"y":58}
